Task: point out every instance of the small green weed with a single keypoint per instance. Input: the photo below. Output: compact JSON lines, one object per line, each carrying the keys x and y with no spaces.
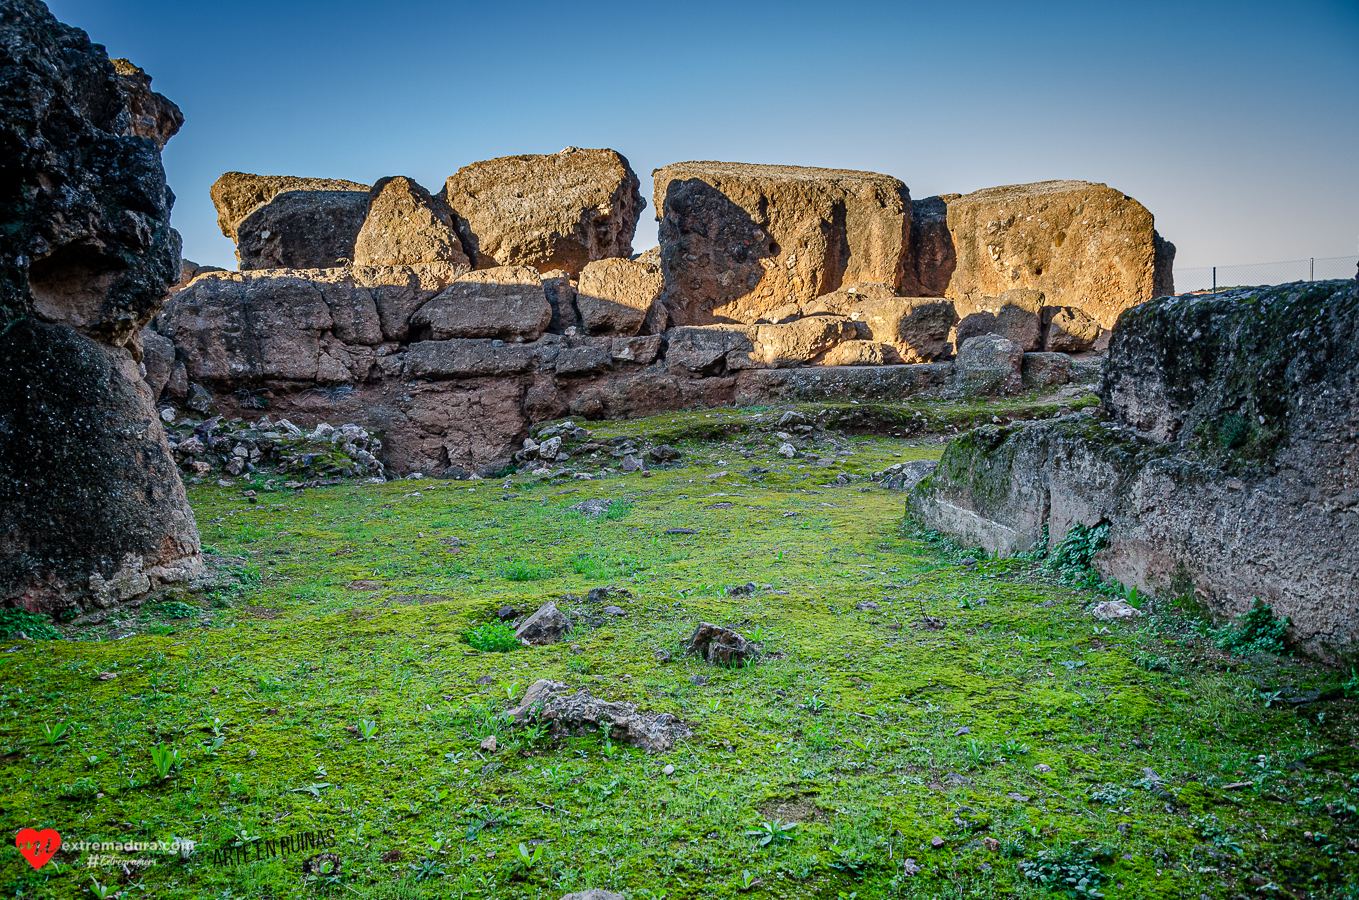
{"x":492,"y":637}
{"x":165,"y":759}
{"x":1070,"y":869}
{"x":518,"y":571}
{"x":174,"y":609}
{"x":772,"y":833}
{"x":37,"y":627}
{"x":54,"y":734}
{"x":1258,"y":632}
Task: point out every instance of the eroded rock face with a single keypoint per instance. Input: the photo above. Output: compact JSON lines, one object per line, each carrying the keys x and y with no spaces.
{"x":558,"y":211}
{"x":739,"y":240}
{"x":1016,"y":315}
{"x":1083,"y":245}
{"x":506,"y":302}
{"x":933,"y":257}
{"x":1068,"y":330}
{"x":406,"y":226}
{"x":989,"y":364}
{"x":241,"y":328}
{"x":614,"y":296}
{"x":1226,"y":469}
{"x":92,"y":510}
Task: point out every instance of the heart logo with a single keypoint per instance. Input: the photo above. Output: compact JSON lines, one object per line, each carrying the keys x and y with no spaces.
{"x":38,"y":846}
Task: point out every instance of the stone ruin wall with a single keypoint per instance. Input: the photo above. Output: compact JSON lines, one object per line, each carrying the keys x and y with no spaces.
{"x":452,"y":321}
{"x":92,"y":509}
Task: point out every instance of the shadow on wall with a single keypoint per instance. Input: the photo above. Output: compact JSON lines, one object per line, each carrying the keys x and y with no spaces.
{"x":697,"y":216}
{"x":302,"y":230}
{"x":933,"y":256}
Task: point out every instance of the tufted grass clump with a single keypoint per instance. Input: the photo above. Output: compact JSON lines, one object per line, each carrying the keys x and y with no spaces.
{"x":524,"y":572}
{"x":492,"y":637}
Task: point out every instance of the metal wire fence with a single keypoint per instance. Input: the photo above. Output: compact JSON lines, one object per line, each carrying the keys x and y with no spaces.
{"x":1218,"y":278}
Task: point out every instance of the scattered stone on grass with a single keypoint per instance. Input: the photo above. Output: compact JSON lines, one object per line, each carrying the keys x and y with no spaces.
{"x":936,"y":842}
{"x":1110,"y":610}
{"x":594,"y":507}
{"x":680,"y":531}
{"x":721,"y":646}
{"x":608,"y":592}
{"x":579,"y":713}
{"x":546,"y":626}
{"x":594,"y":894}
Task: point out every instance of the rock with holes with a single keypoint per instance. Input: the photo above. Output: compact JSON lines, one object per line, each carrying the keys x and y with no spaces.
{"x":302,"y":229}
{"x":595,"y":507}
{"x":714,"y":350}
{"x":738,"y":240}
{"x":721,"y":646}
{"x":567,"y":712}
{"x":1110,"y":610}
{"x":547,"y":625}
{"x":855,"y":353}
{"x":904,"y":476}
{"x":1016,"y":315}
{"x":1083,"y":245}
{"x":1068,"y":330}
{"x":910,"y":329}
{"x":555,"y":211}
{"x":802,"y":341}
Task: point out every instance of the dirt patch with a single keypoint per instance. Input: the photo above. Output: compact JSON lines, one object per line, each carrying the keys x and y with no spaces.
{"x":419,"y":599}
{"x":795,"y":809}
{"x":263,"y":612}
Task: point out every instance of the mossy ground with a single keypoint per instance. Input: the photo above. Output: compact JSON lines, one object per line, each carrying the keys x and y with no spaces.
{"x":849,"y":725}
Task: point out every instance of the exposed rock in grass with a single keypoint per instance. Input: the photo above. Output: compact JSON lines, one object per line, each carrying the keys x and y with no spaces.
{"x":904,"y":476}
{"x":594,"y":507}
{"x":546,"y":626}
{"x":579,"y":713}
{"x":721,"y":646}
{"x":1109,"y":610}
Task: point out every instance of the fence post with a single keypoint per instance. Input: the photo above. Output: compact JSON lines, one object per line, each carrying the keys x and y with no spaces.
{"x":1312,"y":269}
{"x":1214,"y":279}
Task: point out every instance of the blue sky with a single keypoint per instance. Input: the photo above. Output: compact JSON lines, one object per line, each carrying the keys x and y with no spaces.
{"x":1236,"y":124}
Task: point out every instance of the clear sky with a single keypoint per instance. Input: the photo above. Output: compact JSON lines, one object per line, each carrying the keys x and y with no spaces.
{"x":1235,"y":123}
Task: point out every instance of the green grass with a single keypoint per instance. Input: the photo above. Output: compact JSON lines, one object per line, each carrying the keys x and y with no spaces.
{"x":294,"y":701}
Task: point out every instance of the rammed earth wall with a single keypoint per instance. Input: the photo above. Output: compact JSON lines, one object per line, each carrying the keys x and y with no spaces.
{"x":1226,"y":461}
